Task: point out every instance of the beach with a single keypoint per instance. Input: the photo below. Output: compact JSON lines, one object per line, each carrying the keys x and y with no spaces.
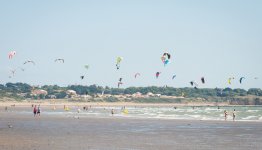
{"x":20,"y":130}
{"x":62,"y":102}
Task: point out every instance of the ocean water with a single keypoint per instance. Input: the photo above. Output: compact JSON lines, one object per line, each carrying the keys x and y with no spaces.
{"x":243,"y":113}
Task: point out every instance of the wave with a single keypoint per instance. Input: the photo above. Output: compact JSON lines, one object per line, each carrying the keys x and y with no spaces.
{"x":253,"y":110}
{"x":249,"y":117}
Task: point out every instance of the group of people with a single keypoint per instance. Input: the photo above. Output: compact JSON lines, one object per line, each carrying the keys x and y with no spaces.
{"x":233,"y":114}
{"x":225,"y":113}
{"x":36,"y":110}
{"x":86,"y":108}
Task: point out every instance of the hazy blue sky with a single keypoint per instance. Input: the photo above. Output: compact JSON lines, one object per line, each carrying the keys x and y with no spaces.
{"x":215,"y":39}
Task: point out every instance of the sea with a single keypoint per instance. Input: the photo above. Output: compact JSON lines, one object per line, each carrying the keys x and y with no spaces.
{"x":243,"y":113}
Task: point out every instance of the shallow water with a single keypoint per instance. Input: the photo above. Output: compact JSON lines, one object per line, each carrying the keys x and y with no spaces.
{"x":243,"y":113}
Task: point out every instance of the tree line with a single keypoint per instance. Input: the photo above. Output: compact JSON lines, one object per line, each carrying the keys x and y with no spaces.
{"x":23,"y":90}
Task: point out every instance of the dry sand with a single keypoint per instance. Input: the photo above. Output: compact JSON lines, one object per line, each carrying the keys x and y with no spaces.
{"x":62,"y":102}
{"x":54,"y":132}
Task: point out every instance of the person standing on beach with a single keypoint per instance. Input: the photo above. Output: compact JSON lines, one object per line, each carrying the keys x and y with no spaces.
{"x":34,"y":111}
{"x":38,"y":110}
{"x":234,"y":114}
{"x":225,"y":113}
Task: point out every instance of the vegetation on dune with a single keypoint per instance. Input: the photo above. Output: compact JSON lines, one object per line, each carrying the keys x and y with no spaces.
{"x":20,"y":91}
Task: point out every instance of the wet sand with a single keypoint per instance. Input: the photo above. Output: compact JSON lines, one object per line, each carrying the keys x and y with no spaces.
{"x":54,"y":132}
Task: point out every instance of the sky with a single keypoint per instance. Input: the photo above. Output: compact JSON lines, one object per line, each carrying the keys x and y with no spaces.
{"x":212,"y":39}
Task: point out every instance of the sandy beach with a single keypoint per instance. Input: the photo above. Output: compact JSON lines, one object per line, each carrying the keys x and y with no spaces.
{"x":62,"y":102}
{"x":22,"y":131}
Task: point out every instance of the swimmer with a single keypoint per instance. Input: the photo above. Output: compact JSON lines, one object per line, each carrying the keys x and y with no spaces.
{"x":112,"y":112}
{"x":38,"y":110}
{"x":225,"y":113}
{"x":34,"y":111}
{"x":234,"y":114}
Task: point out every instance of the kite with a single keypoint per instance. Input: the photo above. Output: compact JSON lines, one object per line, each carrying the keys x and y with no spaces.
{"x":173,"y":77}
{"x":86,"y":66}
{"x":137,"y":74}
{"x":193,"y":83}
{"x":60,"y":60}
{"x":203,"y":80}
{"x":118,"y":61}
{"x":166,"y":58}
{"x":240,"y":80}
{"x":29,"y":61}
{"x":125,"y":111}
{"x":82,"y":77}
{"x":11,"y":54}
{"x":229,"y":80}
{"x":119,"y":83}
{"x":157,"y":74}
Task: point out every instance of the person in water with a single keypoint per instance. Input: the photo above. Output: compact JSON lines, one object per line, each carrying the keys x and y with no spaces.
{"x":34,"y":111}
{"x":225,"y":113}
{"x":112,"y":112}
{"x":38,"y":110}
{"x":234,"y":114}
